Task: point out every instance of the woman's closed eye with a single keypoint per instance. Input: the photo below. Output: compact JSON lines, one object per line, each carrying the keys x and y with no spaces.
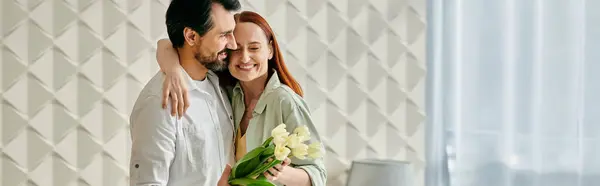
{"x":254,"y":47}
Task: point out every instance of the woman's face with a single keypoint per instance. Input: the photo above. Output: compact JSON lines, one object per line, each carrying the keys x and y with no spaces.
{"x":250,"y":60}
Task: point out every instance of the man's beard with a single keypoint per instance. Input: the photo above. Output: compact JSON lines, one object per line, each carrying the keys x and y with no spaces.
{"x":212,"y":62}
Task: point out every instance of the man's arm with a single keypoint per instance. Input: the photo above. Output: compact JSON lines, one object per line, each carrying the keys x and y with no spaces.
{"x":153,"y":135}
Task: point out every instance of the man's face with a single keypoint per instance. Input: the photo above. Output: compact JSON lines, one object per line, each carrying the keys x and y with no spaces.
{"x":212,"y":48}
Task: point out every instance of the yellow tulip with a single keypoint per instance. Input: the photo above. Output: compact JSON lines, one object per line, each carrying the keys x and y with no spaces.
{"x":293,"y":141}
{"x":279,"y":131}
{"x":314,"y":150}
{"x":279,"y":135}
{"x":300,"y":151}
{"x":281,"y":152}
{"x":303,"y":133}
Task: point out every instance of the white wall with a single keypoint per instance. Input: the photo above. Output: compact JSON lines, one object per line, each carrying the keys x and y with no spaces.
{"x":71,"y":70}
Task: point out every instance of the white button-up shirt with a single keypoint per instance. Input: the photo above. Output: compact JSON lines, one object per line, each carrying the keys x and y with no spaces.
{"x":189,"y":151}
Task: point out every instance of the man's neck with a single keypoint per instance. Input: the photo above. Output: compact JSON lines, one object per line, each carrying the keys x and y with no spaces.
{"x":192,"y":66}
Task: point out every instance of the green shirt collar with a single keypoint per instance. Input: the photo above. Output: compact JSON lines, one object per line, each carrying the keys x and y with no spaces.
{"x":272,"y":84}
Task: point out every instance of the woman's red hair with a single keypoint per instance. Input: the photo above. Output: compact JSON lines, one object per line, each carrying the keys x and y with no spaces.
{"x":276,"y":62}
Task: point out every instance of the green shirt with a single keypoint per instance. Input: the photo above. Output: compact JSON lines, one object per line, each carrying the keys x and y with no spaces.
{"x":279,"y":104}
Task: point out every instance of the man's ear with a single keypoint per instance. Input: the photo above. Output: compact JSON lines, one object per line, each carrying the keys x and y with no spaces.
{"x":190,"y":36}
{"x":271,"y":49}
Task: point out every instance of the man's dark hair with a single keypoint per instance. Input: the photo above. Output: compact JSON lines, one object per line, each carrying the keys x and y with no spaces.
{"x":194,"y":14}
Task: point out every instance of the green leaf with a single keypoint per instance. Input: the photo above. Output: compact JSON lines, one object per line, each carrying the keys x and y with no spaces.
{"x":268,"y":153}
{"x":263,"y":168}
{"x":241,"y":181}
{"x":264,"y":158}
{"x":261,"y":177}
{"x":267,"y":142}
{"x":250,"y":182}
{"x":247,"y":163}
{"x":244,"y":169}
{"x":261,"y":183}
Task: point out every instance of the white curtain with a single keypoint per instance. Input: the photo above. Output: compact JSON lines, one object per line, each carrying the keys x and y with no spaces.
{"x":513,"y":93}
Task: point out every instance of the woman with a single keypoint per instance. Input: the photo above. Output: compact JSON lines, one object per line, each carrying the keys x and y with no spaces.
{"x":263,"y":95}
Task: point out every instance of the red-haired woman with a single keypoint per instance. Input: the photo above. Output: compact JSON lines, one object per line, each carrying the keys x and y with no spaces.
{"x":263,"y":95}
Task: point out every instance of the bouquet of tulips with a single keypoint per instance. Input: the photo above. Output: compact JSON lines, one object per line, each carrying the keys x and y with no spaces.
{"x":249,"y":170}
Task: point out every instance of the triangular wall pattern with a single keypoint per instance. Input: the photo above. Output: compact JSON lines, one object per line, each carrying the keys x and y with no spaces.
{"x":70,"y":71}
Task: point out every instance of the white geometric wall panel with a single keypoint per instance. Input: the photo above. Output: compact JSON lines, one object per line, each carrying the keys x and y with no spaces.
{"x":71,"y":70}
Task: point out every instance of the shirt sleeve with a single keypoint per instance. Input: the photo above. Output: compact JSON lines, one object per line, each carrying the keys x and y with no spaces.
{"x":153,"y":135}
{"x":296,"y":113}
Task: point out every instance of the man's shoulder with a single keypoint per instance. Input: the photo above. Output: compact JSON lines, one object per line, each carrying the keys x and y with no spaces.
{"x":154,"y":86}
{"x":151,"y":94}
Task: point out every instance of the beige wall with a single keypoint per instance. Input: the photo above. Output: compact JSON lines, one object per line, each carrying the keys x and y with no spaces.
{"x":71,"y":70}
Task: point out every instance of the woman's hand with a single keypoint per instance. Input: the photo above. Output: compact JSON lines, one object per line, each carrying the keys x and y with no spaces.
{"x":174,"y":86}
{"x":276,"y":171}
{"x":177,"y":90}
{"x":287,"y":175}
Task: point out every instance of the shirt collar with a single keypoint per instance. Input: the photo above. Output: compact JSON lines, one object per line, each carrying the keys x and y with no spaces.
{"x":211,"y":76}
{"x":272,"y":84}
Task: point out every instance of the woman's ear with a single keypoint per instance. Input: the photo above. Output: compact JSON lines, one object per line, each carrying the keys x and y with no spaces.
{"x":190,"y":36}
{"x":271,"y":49}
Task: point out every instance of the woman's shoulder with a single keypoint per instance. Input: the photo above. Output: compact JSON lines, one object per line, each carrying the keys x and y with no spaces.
{"x":285,"y":97}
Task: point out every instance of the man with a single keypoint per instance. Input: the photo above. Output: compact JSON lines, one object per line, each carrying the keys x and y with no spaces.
{"x":194,"y":148}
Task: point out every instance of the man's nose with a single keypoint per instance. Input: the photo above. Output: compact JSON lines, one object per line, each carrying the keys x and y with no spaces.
{"x":231,"y":43}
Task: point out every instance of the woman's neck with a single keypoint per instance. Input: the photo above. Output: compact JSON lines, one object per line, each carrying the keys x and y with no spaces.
{"x":254,"y":88}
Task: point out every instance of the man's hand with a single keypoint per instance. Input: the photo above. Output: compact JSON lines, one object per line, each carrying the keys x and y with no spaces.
{"x":223,"y":181}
